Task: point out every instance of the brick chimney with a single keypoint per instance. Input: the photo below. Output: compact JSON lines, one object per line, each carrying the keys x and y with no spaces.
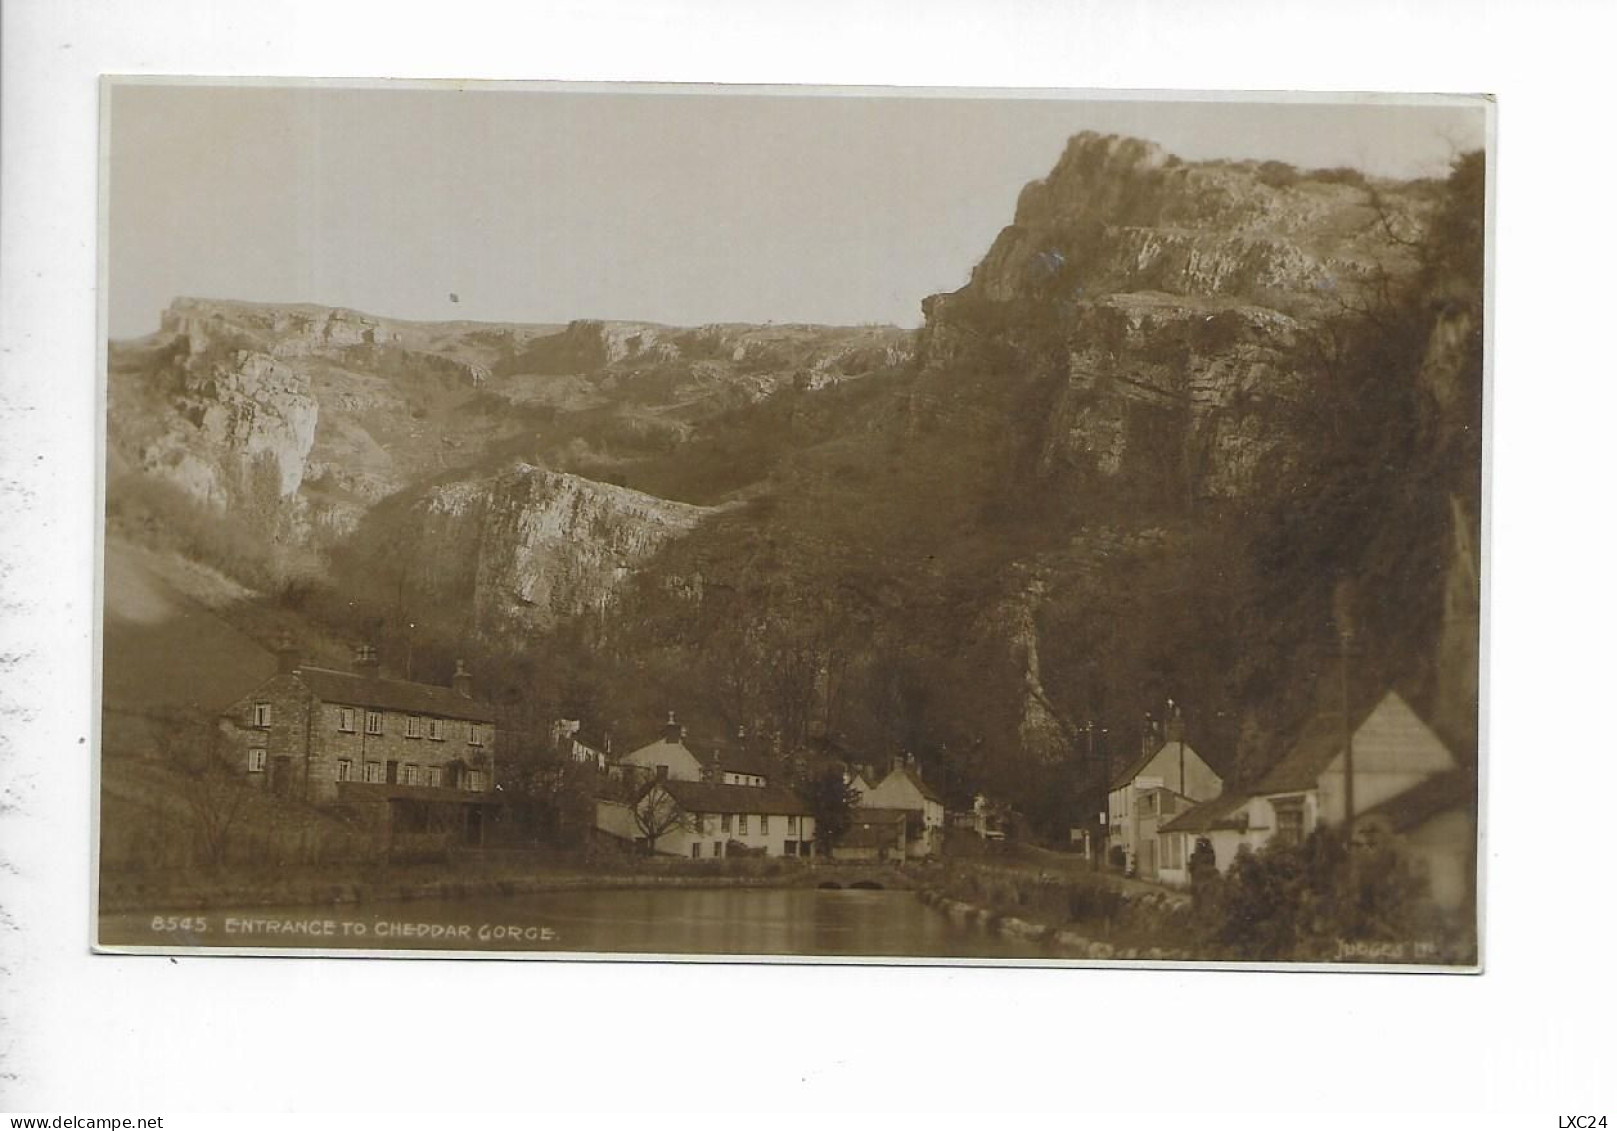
{"x":366,"y":662}
{"x":286,"y":655}
{"x":672,"y":731}
{"x":461,"y":681}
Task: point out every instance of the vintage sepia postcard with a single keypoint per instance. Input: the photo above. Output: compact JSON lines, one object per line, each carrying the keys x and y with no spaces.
{"x":794,"y":524}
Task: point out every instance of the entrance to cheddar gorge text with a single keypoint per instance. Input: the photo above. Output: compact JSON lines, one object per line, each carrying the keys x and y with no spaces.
{"x":383,"y":931}
{"x":799,"y":922}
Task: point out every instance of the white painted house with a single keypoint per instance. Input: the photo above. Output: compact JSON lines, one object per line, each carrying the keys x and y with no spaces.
{"x":904,"y":789}
{"x":671,"y":758}
{"x":1168,"y":778}
{"x":1394,"y":752}
{"x":668,"y":758}
{"x":711,"y":821}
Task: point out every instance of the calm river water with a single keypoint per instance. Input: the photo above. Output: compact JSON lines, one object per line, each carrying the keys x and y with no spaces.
{"x":796,"y":922}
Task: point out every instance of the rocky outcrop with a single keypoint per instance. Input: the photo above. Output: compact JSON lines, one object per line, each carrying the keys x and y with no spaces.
{"x":1158,"y":298}
{"x":282,"y":330}
{"x":533,"y":546}
{"x":243,"y":433}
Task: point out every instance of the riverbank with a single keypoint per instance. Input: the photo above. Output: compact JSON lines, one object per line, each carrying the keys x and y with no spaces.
{"x":1065,"y":939}
{"x":480,"y":877}
{"x":1069,"y":908}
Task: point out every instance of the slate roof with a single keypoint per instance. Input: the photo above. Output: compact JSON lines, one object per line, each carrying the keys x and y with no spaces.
{"x":736,"y":760}
{"x":1219,"y":813}
{"x":1419,"y":804}
{"x":1314,"y":750}
{"x":353,"y":690}
{"x":706,"y":797}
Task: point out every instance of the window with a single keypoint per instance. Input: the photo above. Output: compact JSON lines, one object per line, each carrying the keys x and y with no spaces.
{"x":1173,"y":851}
{"x":474,"y":734}
{"x":474,"y":781}
{"x":345,"y":719}
{"x":763,"y":824}
{"x":373,"y":771}
{"x":791,"y":826}
{"x":345,"y":770}
{"x":257,"y":758}
{"x":373,"y":722}
{"x":435,"y":776}
{"x":261,"y":714}
{"x":742,"y":819}
{"x":435,"y":729}
{"x":1289,"y":822}
{"x":662,"y":773}
{"x":724,"y":823}
{"x":412,"y":726}
{"x":696,"y":850}
{"x":411,"y":774}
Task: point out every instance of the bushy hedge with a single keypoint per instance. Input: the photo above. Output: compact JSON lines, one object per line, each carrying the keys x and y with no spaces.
{"x":1302,"y":902}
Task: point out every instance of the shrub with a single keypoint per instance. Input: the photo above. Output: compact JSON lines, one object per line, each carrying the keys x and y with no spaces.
{"x":1291,"y":902}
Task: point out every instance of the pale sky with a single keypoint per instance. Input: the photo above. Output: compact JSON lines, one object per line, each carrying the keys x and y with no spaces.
{"x":684,"y":208}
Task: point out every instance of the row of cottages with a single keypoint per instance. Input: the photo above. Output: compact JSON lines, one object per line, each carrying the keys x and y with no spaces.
{"x":1167,"y":779}
{"x":1406,"y":783}
{"x":416,"y":759}
{"x":899,"y":818}
{"x":708,"y":806}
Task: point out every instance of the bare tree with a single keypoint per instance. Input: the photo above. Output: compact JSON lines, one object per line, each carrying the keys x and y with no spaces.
{"x":214,"y":788}
{"x":657,"y":813}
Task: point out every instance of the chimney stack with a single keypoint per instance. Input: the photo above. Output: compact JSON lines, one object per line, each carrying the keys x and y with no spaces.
{"x":1175,"y":730}
{"x":286,"y":655}
{"x":461,"y":681}
{"x":672,"y":731}
{"x":1148,"y":735}
{"x":365,"y":661}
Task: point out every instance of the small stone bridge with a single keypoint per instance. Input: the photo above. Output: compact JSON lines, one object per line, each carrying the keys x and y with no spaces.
{"x":861,"y":877}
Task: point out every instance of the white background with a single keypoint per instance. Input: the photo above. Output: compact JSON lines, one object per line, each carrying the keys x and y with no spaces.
{"x":1532,"y":1035}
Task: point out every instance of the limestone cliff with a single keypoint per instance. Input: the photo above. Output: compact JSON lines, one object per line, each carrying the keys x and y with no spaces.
{"x":1158,"y":300}
{"x":528,"y":547}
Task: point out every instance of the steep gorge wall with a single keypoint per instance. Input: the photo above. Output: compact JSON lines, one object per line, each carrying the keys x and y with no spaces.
{"x":529,"y":547}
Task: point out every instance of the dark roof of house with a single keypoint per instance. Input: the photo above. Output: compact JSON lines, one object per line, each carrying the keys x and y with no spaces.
{"x":1314,"y":750}
{"x":1316,"y":747}
{"x":736,"y":760}
{"x":1219,"y":813}
{"x":393,"y":695}
{"x":1419,"y":804}
{"x":706,"y":797}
